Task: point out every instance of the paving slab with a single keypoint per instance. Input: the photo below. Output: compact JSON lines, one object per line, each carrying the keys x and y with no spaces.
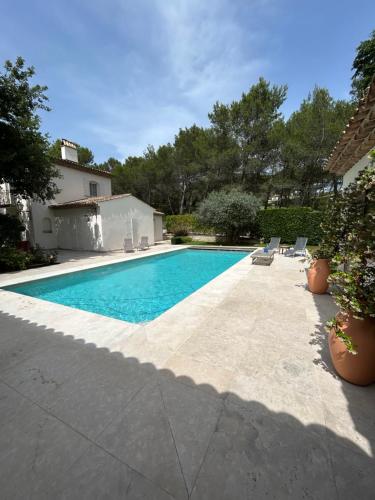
{"x":229,"y":394}
{"x":98,"y":475}
{"x":248,"y":458}
{"x":35,"y":450}
{"x":142,"y":438}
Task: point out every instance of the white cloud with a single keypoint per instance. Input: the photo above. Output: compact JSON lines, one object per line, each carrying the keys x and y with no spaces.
{"x":168,"y":62}
{"x":206,"y":47}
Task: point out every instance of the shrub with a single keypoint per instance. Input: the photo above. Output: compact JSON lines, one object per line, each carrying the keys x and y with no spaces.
{"x":10,"y":230}
{"x":230,"y":213}
{"x":289,"y":223}
{"x":180,"y":240}
{"x":182,"y":225}
{"x":12,"y":259}
{"x":43,"y":257}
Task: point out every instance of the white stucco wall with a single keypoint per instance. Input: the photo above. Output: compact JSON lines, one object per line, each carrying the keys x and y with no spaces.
{"x":351,"y":174}
{"x":78,"y":229}
{"x":38,"y":213}
{"x":126,"y":218}
{"x":158,"y":227}
{"x":74,"y":185}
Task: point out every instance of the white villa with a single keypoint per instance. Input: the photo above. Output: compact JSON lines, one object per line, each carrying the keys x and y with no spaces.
{"x":85,"y":215}
{"x":351,"y":154}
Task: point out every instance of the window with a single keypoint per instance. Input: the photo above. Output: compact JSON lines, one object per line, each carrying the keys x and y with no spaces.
{"x":93,"y":189}
{"x":47,"y":225}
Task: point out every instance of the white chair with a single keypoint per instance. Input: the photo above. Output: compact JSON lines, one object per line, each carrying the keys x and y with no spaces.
{"x":128,"y":245}
{"x":298,"y":249}
{"x":274,"y":244}
{"x":143,"y":244}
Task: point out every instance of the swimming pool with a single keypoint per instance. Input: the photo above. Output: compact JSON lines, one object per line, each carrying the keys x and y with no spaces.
{"x":137,"y":290}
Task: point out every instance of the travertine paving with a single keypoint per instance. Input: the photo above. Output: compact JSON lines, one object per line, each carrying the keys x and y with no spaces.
{"x":228,"y":395}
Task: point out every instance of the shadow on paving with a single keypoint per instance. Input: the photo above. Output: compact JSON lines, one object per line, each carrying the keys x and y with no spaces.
{"x":360,"y":403}
{"x":78,"y":422}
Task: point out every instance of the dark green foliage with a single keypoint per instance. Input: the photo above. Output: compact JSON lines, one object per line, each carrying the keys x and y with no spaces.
{"x":24,"y":159}
{"x":310,"y":135}
{"x":253,"y":125}
{"x":180,"y":240}
{"x":230,"y":214}
{"x":184,"y":224}
{"x":248,"y":146}
{"x":42,"y":257}
{"x":289,"y":223}
{"x":12,"y":259}
{"x":10,"y":230}
{"x":109,"y":165}
{"x":353,"y":228}
{"x":364,"y":67}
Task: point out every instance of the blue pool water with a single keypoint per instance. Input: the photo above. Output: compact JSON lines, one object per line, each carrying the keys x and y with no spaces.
{"x":134,"y":291}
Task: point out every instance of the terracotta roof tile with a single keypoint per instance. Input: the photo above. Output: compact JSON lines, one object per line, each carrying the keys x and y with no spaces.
{"x":358,"y":138}
{"x":89,"y":202}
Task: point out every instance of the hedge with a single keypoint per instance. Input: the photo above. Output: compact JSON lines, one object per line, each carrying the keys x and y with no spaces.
{"x":185,"y":223}
{"x":289,"y":223}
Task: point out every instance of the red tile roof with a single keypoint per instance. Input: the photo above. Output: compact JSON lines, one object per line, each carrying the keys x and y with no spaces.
{"x":358,"y":138}
{"x":93,"y":201}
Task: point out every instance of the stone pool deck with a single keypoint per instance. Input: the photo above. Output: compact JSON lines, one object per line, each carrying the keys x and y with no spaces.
{"x":228,"y":395}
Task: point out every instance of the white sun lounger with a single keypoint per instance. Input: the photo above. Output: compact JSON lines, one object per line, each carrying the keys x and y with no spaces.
{"x":143,"y":244}
{"x":274,"y":243}
{"x":128,"y":245}
{"x":263,"y":255}
{"x":298,"y":249}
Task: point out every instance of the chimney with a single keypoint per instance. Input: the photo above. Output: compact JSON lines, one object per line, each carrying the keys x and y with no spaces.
{"x":69,"y":151}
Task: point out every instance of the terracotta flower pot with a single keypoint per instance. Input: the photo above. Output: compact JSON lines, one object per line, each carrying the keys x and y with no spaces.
{"x":357,"y":368}
{"x":317,"y":276}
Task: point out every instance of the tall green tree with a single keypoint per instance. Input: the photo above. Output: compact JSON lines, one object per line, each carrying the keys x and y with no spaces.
{"x":250,"y":122}
{"x":109,"y":165}
{"x":192,"y":154}
{"x":311,"y":133}
{"x":24,"y":160}
{"x":363,"y":67}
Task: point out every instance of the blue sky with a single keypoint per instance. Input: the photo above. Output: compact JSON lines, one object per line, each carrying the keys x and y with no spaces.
{"x":123,"y":74}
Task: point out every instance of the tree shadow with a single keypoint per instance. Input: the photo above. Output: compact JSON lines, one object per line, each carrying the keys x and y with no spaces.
{"x":80,"y":422}
{"x":360,"y":401}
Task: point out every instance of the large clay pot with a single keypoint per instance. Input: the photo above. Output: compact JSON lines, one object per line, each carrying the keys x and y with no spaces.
{"x":357,"y":368}
{"x":317,"y":276}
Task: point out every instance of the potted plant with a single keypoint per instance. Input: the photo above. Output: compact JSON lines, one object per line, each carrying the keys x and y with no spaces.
{"x":352,"y":331}
{"x":317,"y":275}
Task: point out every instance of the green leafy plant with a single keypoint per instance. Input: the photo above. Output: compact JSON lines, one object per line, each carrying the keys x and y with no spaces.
{"x":12,"y":259}
{"x":230,"y":213}
{"x":335,"y":324}
{"x":42,"y":257}
{"x":185,"y":223}
{"x":10,"y":230}
{"x":289,"y":223}
{"x":180,"y":240}
{"x":352,"y":231}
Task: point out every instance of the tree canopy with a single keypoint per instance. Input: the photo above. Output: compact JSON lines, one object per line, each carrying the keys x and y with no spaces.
{"x":364,"y":67}
{"x":24,"y":159}
{"x":248,"y":145}
{"x":231,"y":213}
